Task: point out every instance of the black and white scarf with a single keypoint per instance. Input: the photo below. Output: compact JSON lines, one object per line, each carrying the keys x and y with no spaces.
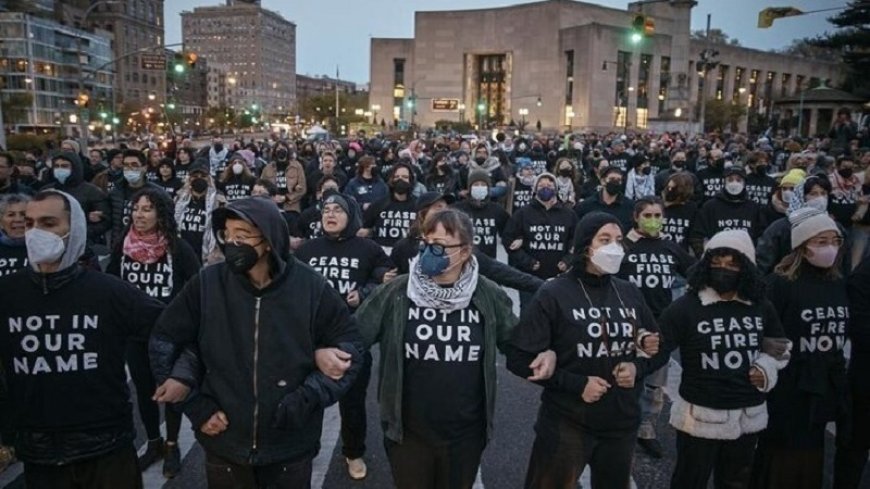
{"x":424,"y":292}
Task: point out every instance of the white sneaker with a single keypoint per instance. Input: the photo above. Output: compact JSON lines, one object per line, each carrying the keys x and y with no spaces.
{"x":356,"y":468}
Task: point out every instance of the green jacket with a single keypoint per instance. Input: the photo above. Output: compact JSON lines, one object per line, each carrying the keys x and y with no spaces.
{"x":381,"y":319}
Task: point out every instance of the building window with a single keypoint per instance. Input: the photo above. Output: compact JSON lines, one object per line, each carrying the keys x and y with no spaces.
{"x":623,"y":58}
{"x":569,"y":77}
{"x":664,"y":80}
{"x":738,"y":83}
{"x":799,"y":81}
{"x":492,"y":87}
{"x":398,"y":86}
{"x":720,"y":81}
{"x":783,"y":88}
{"x":643,"y":75}
{"x":753,"y":88}
{"x":642,"y":117}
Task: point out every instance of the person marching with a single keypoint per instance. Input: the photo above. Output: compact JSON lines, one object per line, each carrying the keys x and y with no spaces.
{"x":731,"y":346}
{"x":654,"y":265}
{"x":809,"y":292}
{"x":353,"y":266}
{"x":437,"y":392}
{"x":152,"y":257}
{"x":595,"y":323}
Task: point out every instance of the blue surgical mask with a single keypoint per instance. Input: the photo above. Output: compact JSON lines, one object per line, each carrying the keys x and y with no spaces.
{"x":432,"y":265}
{"x":546,"y":193}
{"x":61,"y":174}
{"x":133,"y":176}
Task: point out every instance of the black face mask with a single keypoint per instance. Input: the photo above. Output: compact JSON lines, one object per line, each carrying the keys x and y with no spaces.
{"x":613,"y":188}
{"x":282,"y":155}
{"x":240,"y":258}
{"x":218,"y":148}
{"x":401,"y":187}
{"x":678,"y":164}
{"x":724,"y":280}
{"x":565,"y":172}
{"x":845,"y":172}
{"x":199,"y":185}
{"x":671,"y":195}
{"x":480,"y":160}
{"x":647,"y":170}
{"x":761,"y":170}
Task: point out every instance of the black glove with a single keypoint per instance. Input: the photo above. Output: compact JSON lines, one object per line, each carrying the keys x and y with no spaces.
{"x":294,"y":409}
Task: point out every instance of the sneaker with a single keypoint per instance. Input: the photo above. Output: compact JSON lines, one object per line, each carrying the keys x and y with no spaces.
{"x":172,"y":461}
{"x":153,"y":453}
{"x":651,"y":446}
{"x":356,"y":468}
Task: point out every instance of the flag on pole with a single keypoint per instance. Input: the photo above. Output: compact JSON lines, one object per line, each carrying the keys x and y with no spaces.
{"x":768,"y":15}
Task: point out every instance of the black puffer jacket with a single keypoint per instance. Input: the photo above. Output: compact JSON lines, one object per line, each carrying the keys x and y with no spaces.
{"x":257,"y":350}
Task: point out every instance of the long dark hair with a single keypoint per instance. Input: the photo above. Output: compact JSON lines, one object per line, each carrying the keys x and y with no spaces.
{"x":165,"y":210}
{"x":749,"y":287}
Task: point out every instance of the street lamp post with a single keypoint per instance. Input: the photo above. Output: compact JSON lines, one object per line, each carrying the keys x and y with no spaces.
{"x":461,"y":113}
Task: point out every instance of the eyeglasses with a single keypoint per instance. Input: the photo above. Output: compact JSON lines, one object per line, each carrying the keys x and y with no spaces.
{"x":224,"y":238}
{"x":332,"y":211}
{"x":438,"y":249}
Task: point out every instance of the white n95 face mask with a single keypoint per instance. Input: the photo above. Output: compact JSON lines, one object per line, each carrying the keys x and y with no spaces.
{"x":608,"y":258}
{"x":43,"y":246}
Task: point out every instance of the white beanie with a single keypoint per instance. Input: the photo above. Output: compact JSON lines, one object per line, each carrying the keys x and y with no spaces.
{"x":807,"y":222}
{"x":733,"y":239}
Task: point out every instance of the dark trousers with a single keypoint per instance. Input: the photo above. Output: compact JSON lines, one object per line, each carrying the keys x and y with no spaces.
{"x":417,"y":464}
{"x":223,"y":474}
{"x":113,"y":470}
{"x":853,"y":445}
{"x":787,"y":468}
{"x":729,"y":461}
{"x":353,"y":412}
{"x":562,"y":450}
{"x":143,"y":379}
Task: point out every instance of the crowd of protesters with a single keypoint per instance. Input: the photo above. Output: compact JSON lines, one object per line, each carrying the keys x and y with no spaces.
{"x":242,"y":284}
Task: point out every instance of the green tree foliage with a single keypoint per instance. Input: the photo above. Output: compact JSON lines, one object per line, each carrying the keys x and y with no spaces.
{"x":722,"y":115}
{"x":852,"y":40}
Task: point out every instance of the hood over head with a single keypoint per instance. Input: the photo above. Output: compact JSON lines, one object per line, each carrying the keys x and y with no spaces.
{"x":74,"y":247}
{"x":265,"y":215}
{"x":77,"y":170}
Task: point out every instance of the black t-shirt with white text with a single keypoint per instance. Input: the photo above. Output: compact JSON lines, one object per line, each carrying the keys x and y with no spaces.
{"x":488,"y":221}
{"x":677,"y":222}
{"x":192,"y":224}
{"x":443,"y":396}
{"x":390,"y":220}
{"x":718,"y":344}
{"x":155,"y":279}
{"x":653,"y":266}
{"x":12,"y":259}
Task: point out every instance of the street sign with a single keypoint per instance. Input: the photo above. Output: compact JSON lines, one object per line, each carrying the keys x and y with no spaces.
{"x":155,"y":62}
{"x":445,"y":104}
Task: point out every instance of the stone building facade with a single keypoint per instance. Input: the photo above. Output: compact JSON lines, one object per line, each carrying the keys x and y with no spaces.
{"x":572,"y":66}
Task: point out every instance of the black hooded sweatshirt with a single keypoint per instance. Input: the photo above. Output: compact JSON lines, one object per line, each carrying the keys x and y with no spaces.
{"x":389,"y":219}
{"x":489,"y":220}
{"x":13,"y":255}
{"x":89,"y":196}
{"x":547,"y":237}
{"x":653,"y":265}
{"x":712,"y":181}
{"x":677,"y":223}
{"x":589,"y":339}
{"x":256,"y":347}
{"x":725,"y":212}
{"x":347,"y":261}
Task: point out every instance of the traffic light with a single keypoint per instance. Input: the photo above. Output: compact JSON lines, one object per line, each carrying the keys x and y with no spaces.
{"x":190,"y":57}
{"x":178,"y":63}
{"x":83,"y":99}
{"x":642,"y":26}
